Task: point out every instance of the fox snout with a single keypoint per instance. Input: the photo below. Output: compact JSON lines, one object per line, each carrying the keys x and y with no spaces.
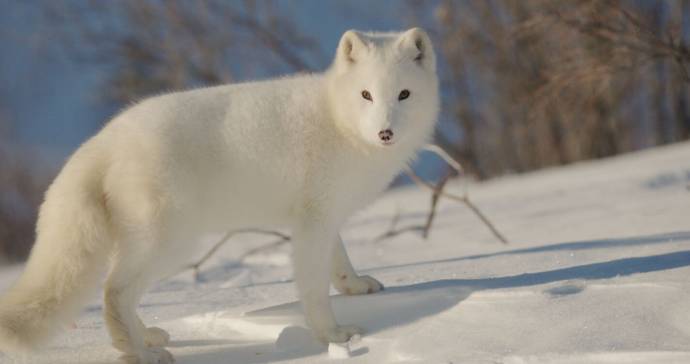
{"x":386,"y":136}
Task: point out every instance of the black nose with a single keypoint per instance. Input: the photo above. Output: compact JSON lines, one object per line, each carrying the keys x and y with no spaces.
{"x":386,"y":135}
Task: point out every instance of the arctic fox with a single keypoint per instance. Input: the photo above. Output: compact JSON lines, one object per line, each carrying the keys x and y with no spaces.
{"x":301,"y":152}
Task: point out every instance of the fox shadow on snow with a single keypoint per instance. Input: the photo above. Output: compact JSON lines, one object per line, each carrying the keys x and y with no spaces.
{"x":401,"y":305}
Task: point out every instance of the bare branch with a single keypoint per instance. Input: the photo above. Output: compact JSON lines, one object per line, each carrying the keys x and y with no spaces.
{"x":435,"y":195}
{"x":439,"y":190}
{"x":445,"y":156}
{"x":280,"y":241}
{"x":393,"y":231}
{"x":282,"y":238}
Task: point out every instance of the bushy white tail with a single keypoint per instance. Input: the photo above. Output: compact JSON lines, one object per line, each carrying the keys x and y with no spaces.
{"x":66,"y":262}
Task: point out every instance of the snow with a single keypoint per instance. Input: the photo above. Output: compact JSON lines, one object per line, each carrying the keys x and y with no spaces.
{"x":596,"y":272}
{"x":346,"y":350}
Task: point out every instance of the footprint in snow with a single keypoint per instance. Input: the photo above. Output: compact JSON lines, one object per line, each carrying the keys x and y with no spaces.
{"x":566,"y":289}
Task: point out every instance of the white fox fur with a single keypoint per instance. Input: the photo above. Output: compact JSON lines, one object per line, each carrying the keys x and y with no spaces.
{"x":301,"y":152}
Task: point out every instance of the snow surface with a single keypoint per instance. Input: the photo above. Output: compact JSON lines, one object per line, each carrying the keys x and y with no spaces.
{"x":597,"y":272}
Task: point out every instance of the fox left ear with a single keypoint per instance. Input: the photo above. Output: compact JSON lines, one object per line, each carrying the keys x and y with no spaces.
{"x":415,"y":43}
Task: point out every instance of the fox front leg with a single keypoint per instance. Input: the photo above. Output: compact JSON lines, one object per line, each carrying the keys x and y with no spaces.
{"x":312,"y":250}
{"x":344,"y":277}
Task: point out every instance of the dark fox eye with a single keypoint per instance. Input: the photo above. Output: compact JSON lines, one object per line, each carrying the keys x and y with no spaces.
{"x":366,"y":95}
{"x":403,"y":95}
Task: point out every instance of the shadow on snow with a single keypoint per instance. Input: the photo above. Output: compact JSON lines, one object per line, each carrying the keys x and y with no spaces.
{"x":397,"y":306}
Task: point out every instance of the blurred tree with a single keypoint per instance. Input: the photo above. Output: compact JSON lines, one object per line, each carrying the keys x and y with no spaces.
{"x":527,"y":84}
{"x":155,"y":46}
{"x":536,"y":83}
{"x":147,"y":47}
{"x":21,"y":191}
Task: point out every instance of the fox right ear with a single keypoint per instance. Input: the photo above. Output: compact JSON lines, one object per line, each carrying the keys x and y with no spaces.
{"x":350,"y":47}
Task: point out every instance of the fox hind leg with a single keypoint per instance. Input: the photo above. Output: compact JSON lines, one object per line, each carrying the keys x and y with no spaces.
{"x":156,"y":337}
{"x":125,"y":285}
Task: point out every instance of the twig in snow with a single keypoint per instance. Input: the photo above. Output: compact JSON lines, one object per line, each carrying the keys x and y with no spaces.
{"x":280,"y":241}
{"x":446,"y":157}
{"x":392,"y":228}
{"x":463,"y":199}
{"x":435,"y":195}
{"x":438,"y":190}
{"x":282,"y":238}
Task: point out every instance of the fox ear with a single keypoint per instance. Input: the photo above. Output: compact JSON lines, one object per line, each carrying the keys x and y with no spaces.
{"x":415,"y":43}
{"x":350,"y":47}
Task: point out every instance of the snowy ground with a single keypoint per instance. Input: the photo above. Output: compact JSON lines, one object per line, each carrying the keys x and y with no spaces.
{"x":598,"y":271}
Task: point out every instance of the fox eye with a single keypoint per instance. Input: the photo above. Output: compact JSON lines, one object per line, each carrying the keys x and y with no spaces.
{"x":404,"y":94}
{"x":366,"y":95}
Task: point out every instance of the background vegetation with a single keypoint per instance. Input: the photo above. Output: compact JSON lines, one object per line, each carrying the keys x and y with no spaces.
{"x":526,"y":84}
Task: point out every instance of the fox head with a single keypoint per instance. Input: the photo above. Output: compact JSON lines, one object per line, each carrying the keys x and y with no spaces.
{"x":383,"y":86}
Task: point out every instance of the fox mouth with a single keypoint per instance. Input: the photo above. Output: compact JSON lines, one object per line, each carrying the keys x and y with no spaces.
{"x":388,"y":142}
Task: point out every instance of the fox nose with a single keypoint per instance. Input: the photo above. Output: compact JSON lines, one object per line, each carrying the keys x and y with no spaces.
{"x":386,"y":135}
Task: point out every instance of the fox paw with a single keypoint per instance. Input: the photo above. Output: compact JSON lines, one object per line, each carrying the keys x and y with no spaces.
{"x":156,"y":337}
{"x":149,"y":356}
{"x":357,"y":285}
{"x":338,"y":334}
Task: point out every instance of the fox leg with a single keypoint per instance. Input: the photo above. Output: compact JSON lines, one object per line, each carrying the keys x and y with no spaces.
{"x":312,"y":249}
{"x":128,"y":280}
{"x":345,"y":279}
